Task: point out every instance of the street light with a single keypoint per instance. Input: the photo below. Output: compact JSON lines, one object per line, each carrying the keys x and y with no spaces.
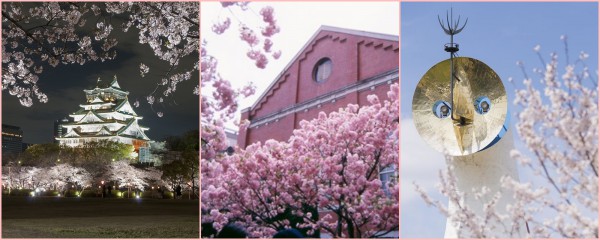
{"x":103,"y":188}
{"x":9,"y":180}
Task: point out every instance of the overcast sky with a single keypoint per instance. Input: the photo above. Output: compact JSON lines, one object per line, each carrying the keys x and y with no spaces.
{"x":298,"y":22}
{"x":499,"y":34}
{"x":64,"y":86}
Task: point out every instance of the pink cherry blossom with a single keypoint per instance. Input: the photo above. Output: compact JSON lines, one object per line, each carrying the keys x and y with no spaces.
{"x":248,"y":35}
{"x":331,"y":162}
{"x":220,"y":27}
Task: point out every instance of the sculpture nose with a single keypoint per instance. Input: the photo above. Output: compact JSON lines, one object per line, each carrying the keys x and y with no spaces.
{"x":462,"y":102}
{"x":463,"y":114}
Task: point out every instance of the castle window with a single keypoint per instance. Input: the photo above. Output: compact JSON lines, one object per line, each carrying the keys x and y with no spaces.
{"x":322,"y":70}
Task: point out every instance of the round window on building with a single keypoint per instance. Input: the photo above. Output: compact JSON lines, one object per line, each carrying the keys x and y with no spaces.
{"x":322,"y":70}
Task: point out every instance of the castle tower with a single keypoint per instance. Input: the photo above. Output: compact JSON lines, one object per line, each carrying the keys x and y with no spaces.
{"x":106,"y":115}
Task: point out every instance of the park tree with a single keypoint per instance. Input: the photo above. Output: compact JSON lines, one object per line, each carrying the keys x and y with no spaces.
{"x":189,"y":140}
{"x":40,"y":36}
{"x":173,"y":174}
{"x":157,"y":152}
{"x":61,"y":175}
{"x":41,"y":155}
{"x":55,"y":177}
{"x":184,"y":171}
{"x":191,"y":163}
{"x":8,"y":158}
{"x":154,"y":177}
{"x":102,"y":152}
{"x":33,"y":177}
{"x":12,"y":175}
{"x":558,"y":125}
{"x":130,"y":177}
{"x":92,"y":156}
{"x":331,"y":164}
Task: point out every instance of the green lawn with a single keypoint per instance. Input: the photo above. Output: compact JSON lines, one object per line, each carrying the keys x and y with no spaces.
{"x":52,"y":217}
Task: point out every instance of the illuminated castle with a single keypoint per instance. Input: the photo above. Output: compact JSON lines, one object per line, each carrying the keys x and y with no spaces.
{"x":106,"y":115}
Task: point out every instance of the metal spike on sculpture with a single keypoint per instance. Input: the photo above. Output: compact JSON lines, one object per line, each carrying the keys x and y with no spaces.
{"x":460,"y":109}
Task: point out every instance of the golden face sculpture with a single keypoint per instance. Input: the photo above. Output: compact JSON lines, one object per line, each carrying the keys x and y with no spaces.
{"x":467,"y":119}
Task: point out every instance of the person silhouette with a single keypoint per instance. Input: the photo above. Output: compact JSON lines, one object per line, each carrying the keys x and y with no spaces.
{"x":232,"y":231}
{"x":178,"y":191}
{"x":289,"y":233}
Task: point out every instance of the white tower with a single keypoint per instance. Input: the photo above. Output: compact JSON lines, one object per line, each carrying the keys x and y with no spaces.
{"x":460,"y":109}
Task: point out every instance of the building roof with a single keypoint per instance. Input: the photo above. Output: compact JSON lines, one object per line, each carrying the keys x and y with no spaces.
{"x":112,"y":86}
{"x":115,"y":83}
{"x":133,"y":124}
{"x":104,"y":132}
{"x":322,"y":28}
{"x":91,"y":117}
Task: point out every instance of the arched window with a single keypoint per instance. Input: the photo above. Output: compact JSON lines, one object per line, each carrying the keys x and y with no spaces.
{"x":322,"y":70}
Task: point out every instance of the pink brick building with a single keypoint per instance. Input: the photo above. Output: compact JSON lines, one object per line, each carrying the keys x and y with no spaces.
{"x":334,"y":68}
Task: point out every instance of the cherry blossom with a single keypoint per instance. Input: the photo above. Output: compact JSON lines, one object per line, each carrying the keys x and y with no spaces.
{"x":221,"y":99}
{"x":54,"y":33}
{"x":220,"y":28}
{"x":325,"y":178}
{"x":144,"y":69}
{"x":129,"y":176}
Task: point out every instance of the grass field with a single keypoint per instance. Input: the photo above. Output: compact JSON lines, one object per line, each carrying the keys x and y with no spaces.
{"x":52,"y":217}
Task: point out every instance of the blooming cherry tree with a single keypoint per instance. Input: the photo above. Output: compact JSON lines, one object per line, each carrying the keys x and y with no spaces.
{"x":221,"y":101}
{"x":38,"y":36}
{"x":62,"y":174}
{"x":130,"y":176}
{"x":324,"y":179}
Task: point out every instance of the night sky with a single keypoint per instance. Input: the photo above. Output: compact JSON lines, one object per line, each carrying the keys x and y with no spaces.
{"x":64,"y":86}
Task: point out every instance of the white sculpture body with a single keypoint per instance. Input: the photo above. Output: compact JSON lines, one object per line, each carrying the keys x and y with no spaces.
{"x":485,"y":169}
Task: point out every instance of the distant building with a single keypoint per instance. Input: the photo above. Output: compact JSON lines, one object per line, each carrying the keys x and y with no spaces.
{"x":58,"y":129}
{"x":12,"y":139}
{"x":106,"y":115}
